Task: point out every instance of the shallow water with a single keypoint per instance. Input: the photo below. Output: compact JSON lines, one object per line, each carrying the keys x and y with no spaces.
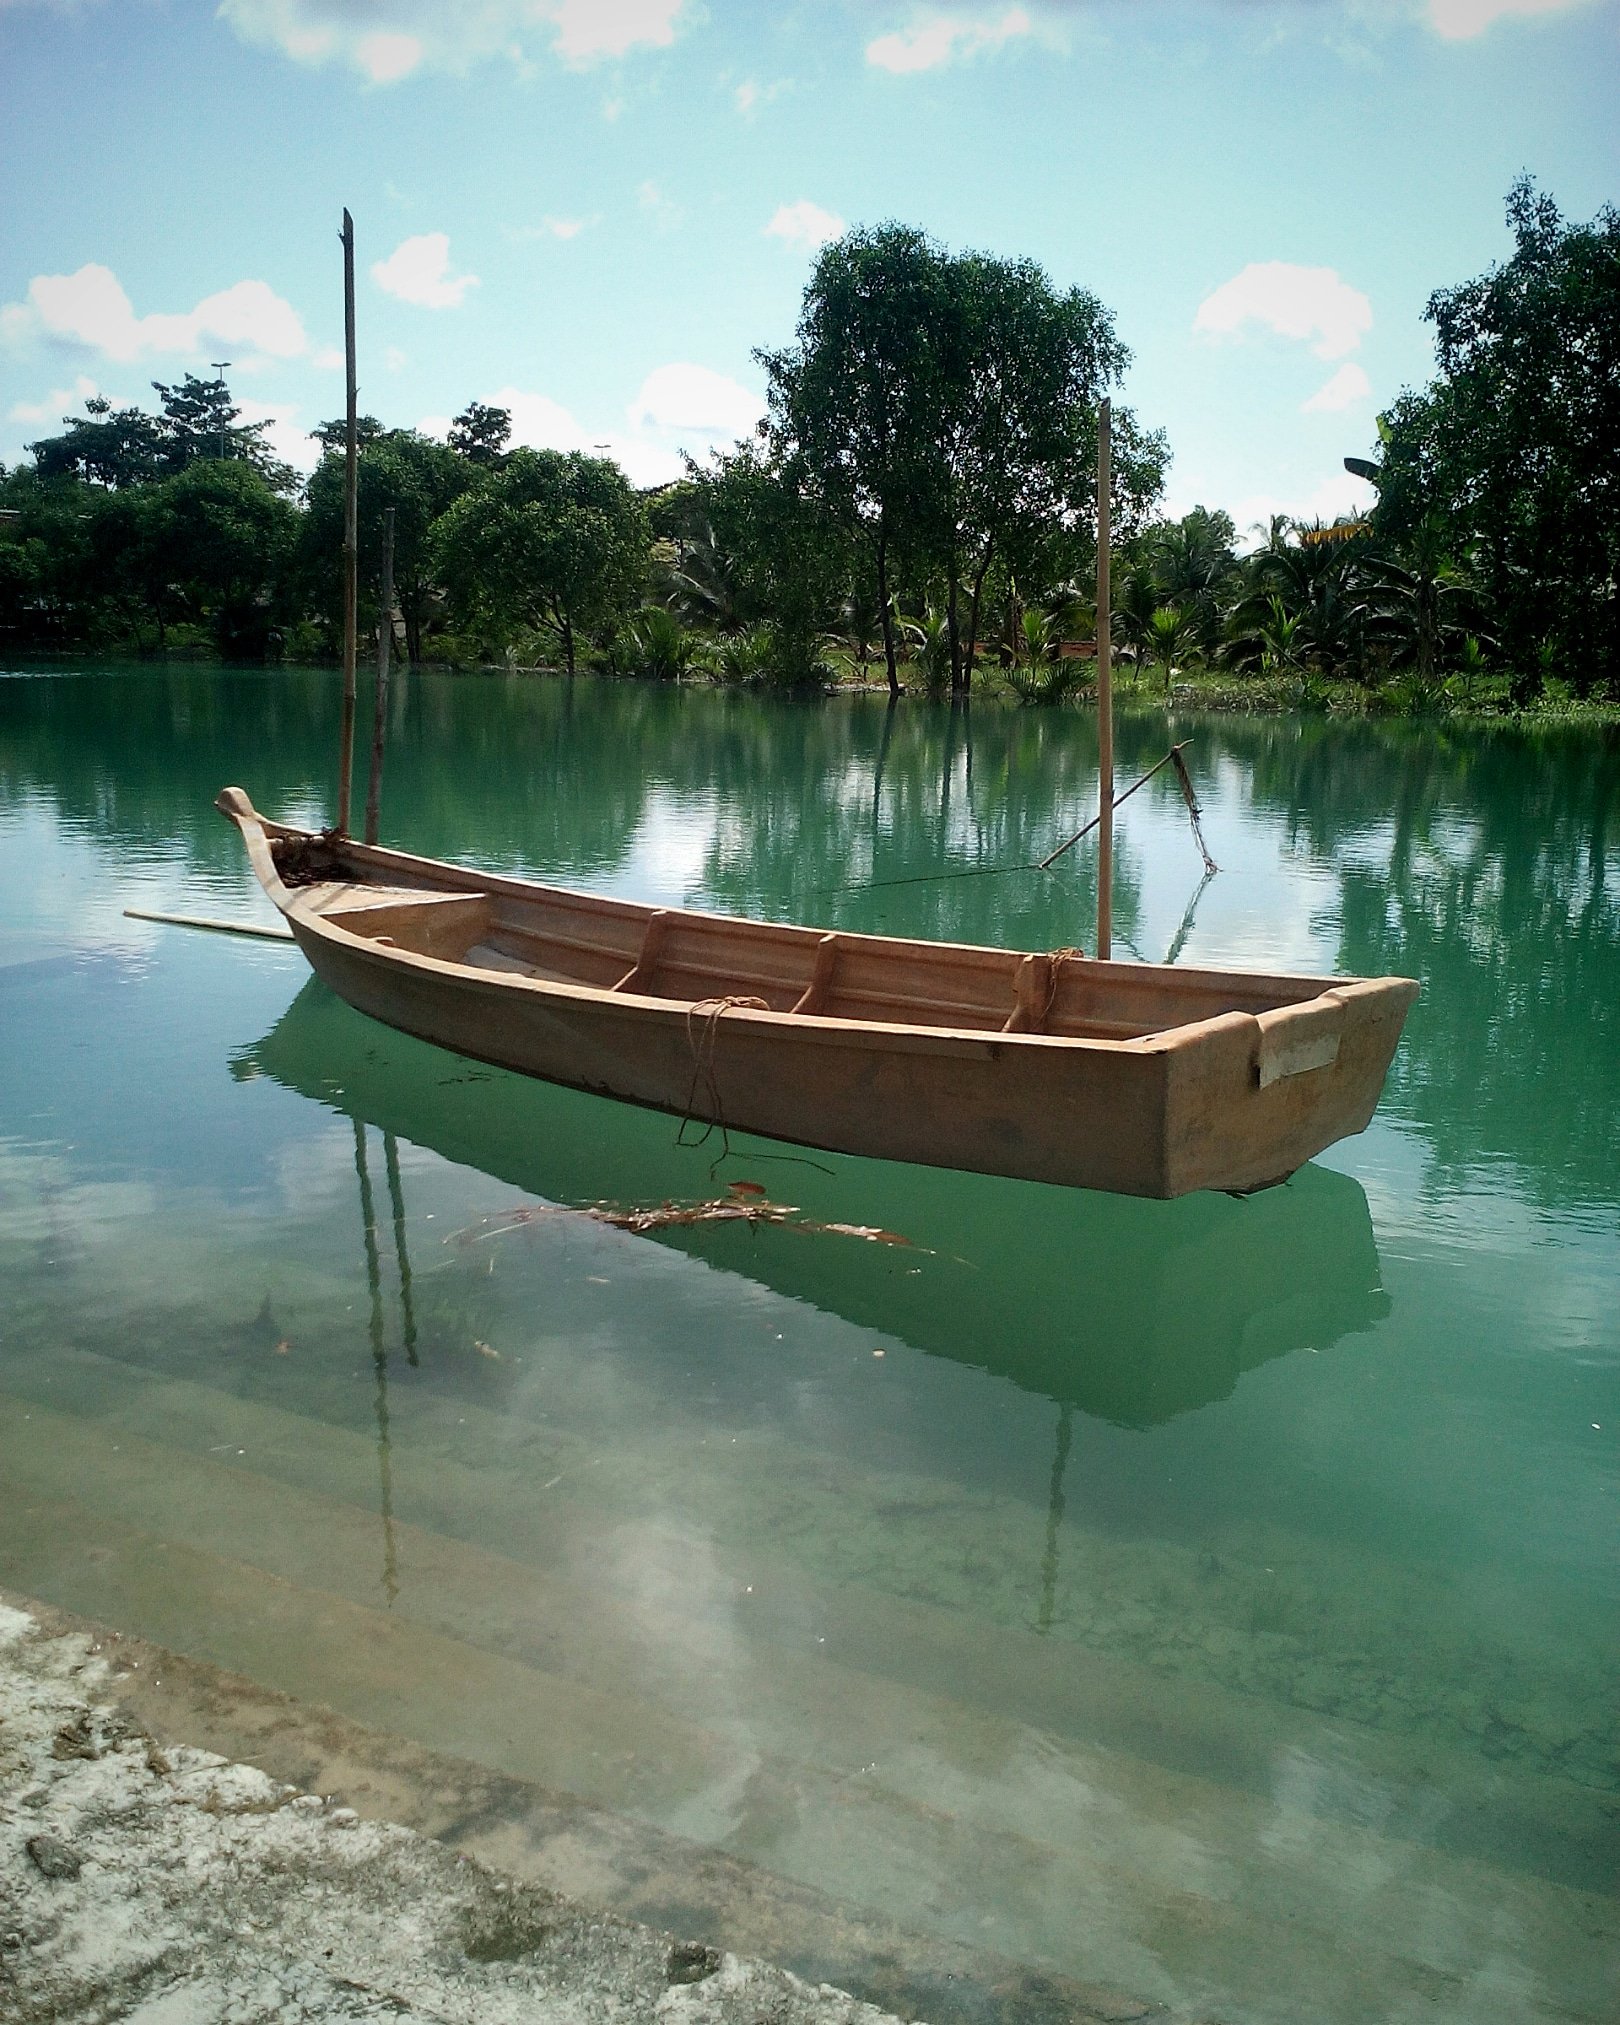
{"x":1216,"y":1598}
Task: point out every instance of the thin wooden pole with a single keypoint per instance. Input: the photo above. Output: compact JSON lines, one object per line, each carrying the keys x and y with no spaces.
{"x":351,"y":538}
{"x":1105,"y":695}
{"x":385,"y":639}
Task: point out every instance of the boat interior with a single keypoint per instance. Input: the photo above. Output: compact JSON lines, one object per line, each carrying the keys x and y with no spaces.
{"x":563,"y":937}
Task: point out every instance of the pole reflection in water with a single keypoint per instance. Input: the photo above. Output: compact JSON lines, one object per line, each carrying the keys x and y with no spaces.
{"x":396,"y":1196}
{"x":1179,"y":941}
{"x":379,"y":1354}
{"x":1054,"y":1516}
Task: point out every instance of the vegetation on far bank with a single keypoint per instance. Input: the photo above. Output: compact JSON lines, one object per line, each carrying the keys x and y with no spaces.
{"x":916,"y":509}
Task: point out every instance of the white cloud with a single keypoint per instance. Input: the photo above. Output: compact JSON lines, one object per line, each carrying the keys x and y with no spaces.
{"x":418,"y":270}
{"x":389,"y":40}
{"x":53,"y":405}
{"x":394,"y":360}
{"x":695,"y":398}
{"x":286,"y":436}
{"x":91,"y":309}
{"x":587,"y":29}
{"x":1295,"y":302}
{"x":1342,"y":390}
{"x":934,"y":39}
{"x":1461,"y":20}
{"x":804,"y":224}
{"x":386,"y":58}
{"x":679,"y":408}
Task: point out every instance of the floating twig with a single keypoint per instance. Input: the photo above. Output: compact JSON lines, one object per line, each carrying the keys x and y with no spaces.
{"x":746,"y":1202}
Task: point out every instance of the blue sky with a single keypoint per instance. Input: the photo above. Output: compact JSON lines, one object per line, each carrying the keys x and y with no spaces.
{"x":594,"y":210}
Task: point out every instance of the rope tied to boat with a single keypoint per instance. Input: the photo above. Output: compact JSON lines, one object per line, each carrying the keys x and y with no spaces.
{"x":703,"y":1019}
{"x":1056,"y":958}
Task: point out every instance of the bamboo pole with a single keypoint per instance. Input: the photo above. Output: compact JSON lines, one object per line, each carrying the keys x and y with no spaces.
{"x":1105,"y":695}
{"x":267,"y":932}
{"x":351,"y":539}
{"x":385,"y":640}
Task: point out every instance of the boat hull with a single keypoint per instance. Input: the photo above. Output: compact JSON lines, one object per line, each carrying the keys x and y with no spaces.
{"x":1236,"y":1101}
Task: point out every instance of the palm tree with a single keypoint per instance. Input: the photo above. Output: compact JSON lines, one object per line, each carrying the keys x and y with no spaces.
{"x":1416,"y":603}
{"x":1135,"y":601}
{"x":1172,"y":631}
{"x":701,"y":584}
{"x":654,"y":642}
{"x":1193,"y":561}
{"x":930,"y":637}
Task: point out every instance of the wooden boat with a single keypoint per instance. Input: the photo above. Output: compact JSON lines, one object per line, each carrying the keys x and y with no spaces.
{"x":1137,"y":1078}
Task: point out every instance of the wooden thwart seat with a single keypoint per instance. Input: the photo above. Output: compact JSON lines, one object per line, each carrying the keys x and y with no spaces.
{"x":640,"y":974}
{"x":814,"y":995}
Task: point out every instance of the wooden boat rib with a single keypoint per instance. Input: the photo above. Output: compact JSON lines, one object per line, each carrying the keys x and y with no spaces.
{"x":1131,"y":1077}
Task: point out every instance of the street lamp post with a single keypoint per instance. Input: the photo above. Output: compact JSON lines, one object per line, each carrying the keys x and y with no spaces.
{"x":219,"y":366}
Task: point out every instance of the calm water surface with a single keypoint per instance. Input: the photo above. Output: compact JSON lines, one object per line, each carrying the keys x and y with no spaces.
{"x":1217,"y":1599}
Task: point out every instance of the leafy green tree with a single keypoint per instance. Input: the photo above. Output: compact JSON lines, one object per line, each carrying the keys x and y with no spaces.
{"x":53,"y":582}
{"x":481,"y":433}
{"x":223,"y":537}
{"x":1026,"y":368}
{"x":420,"y":480}
{"x":853,"y":402}
{"x":199,"y":421}
{"x":335,"y":435}
{"x":1420,"y":604}
{"x":774,"y":552}
{"x":1514,"y":443}
{"x":943,"y":410}
{"x":1314,"y":584}
{"x":1172,"y":633}
{"x":547,"y":540}
{"x":103,"y":446}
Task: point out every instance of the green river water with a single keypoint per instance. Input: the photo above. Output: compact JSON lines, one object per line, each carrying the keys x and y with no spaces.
{"x":1215,"y":1599}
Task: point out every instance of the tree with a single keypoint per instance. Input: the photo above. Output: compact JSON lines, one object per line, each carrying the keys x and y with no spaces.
{"x":943,"y":409}
{"x":335,"y":435}
{"x":1419,"y":604}
{"x":1171,"y":633}
{"x":199,"y":421}
{"x":547,"y":540}
{"x":1194,"y":563}
{"x":850,"y":401}
{"x":1514,"y":443}
{"x":420,"y":480}
{"x":774,"y":553}
{"x":223,"y":538}
{"x":103,"y":446}
{"x":481,"y":433}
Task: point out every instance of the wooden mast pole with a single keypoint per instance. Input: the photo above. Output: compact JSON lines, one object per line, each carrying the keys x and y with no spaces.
{"x":351,"y":539}
{"x":385,"y":640}
{"x":1105,"y":695}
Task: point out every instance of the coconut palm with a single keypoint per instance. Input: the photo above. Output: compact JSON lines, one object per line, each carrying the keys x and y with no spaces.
{"x":1416,"y":603}
{"x":654,"y":642}
{"x":1193,"y":563}
{"x":930,"y":638}
{"x":1171,"y":631}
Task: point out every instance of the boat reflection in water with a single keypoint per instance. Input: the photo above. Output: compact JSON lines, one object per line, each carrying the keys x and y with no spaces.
{"x":1129,"y":1310}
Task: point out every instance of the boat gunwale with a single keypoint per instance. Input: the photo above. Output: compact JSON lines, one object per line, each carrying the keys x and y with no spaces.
{"x":259,"y":831}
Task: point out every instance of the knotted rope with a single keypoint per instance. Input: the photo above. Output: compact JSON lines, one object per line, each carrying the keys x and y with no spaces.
{"x":703,"y":1019}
